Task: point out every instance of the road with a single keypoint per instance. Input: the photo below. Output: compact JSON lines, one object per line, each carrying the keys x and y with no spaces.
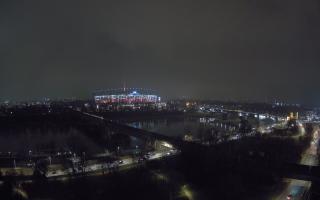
{"x":125,"y":162}
{"x":299,"y":188}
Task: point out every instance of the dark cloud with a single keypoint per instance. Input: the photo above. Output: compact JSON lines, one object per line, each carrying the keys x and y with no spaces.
{"x":251,"y":49}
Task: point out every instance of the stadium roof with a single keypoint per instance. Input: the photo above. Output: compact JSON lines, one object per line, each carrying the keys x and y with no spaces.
{"x":124,"y":91}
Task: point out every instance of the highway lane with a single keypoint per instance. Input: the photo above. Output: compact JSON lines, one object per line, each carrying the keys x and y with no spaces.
{"x":299,"y":188}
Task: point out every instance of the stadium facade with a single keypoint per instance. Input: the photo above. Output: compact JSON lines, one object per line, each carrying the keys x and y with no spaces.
{"x":126,"y":97}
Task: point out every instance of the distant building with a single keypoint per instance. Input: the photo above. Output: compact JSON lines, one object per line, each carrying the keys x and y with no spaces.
{"x":293,"y":116}
{"x":126,"y":98}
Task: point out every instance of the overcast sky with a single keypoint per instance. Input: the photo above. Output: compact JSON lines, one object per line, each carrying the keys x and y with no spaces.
{"x":217,"y":49}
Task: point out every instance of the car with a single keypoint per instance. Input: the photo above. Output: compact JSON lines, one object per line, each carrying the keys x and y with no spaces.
{"x":147,"y":156}
{"x":141,"y":159}
{"x":30,"y":164}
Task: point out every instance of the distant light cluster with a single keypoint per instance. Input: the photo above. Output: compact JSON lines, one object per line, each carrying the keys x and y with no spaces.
{"x":126,"y":96}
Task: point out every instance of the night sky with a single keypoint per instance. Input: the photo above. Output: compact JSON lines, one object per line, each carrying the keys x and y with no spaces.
{"x":212,"y":49}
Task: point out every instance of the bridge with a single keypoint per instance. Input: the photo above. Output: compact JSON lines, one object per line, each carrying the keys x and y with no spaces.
{"x":245,"y":113}
{"x":298,"y":171}
{"x":137,"y":132}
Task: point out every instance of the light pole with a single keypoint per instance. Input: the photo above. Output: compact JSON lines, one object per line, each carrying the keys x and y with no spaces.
{"x":84,"y":161}
{"x":30,"y":155}
{"x":49,"y":160}
{"x":84,"y":156}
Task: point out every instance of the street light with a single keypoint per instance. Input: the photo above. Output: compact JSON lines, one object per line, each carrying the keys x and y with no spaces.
{"x":49,"y":160}
{"x":30,"y":155}
{"x":84,"y":161}
{"x":118,"y":149}
{"x":84,"y":156}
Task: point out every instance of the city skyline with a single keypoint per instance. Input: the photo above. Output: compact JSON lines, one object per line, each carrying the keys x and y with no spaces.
{"x":206,"y":50}
{"x":160,"y":99}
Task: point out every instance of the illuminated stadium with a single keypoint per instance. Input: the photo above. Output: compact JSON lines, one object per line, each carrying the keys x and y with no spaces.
{"x":126,"y":96}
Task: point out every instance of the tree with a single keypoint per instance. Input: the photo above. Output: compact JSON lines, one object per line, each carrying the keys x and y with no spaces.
{"x":245,"y":127}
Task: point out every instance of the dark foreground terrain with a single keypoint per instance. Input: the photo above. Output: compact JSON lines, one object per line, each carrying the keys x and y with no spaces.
{"x":235,"y":170}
